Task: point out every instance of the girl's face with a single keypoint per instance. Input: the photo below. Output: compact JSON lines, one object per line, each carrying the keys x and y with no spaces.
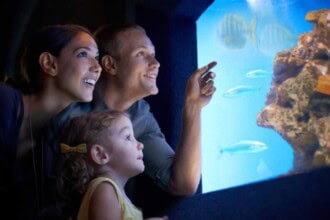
{"x":126,"y":156}
{"x":78,"y":69}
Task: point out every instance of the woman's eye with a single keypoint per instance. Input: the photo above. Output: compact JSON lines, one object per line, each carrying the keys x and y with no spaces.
{"x":82,"y":54}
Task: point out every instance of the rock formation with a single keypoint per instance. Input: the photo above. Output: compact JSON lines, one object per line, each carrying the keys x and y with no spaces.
{"x":298,"y":103}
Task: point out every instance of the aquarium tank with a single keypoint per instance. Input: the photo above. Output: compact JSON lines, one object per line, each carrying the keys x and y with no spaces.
{"x":245,"y":37}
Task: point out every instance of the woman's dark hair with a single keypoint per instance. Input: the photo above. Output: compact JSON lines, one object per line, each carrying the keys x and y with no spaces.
{"x":51,"y":39}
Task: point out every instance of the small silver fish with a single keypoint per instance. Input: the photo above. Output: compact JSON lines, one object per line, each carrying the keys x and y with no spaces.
{"x":243,"y":147}
{"x":258,"y":73}
{"x":240,"y":91}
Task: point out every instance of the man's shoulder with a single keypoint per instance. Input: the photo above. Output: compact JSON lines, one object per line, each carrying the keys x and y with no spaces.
{"x":139,"y":107}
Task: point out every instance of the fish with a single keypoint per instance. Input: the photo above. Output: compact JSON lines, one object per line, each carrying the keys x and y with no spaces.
{"x":233,"y":31}
{"x":258,"y":73}
{"x":244,"y":147}
{"x":240,"y":90}
{"x":275,"y":37}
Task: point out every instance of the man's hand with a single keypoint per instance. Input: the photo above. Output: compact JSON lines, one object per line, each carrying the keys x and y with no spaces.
{"x":200,"y":86}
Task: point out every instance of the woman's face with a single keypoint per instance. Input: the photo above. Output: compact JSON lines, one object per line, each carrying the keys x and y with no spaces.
{"x":78,"y":69}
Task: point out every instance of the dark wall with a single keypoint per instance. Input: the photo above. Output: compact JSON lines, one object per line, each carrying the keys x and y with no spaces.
{"x":302,"y":196}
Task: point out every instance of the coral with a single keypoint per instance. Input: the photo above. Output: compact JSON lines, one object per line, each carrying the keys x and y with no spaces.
{"x":298,"y":103}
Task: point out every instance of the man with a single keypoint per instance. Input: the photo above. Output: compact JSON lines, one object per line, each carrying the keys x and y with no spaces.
{"x":130,"y":70}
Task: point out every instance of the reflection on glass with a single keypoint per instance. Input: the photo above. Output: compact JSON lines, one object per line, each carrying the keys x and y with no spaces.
{"x":244,"y":36}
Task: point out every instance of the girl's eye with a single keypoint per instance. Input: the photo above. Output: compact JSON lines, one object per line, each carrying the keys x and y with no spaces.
{"x":82,"y":54}
{"x":128,"y":137}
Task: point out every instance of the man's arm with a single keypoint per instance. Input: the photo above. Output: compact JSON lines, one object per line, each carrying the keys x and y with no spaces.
{"x":186,"y":170}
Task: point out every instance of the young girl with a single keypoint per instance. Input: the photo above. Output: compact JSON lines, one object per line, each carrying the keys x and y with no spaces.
{"x":99,"y":154}
{"x":59,"y":66}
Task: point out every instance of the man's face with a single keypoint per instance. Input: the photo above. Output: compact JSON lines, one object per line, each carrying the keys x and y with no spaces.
{"x":137,"y":67}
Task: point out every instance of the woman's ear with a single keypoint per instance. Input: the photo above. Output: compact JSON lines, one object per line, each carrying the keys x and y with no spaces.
{"x":109,"y":65}
{"x":47,"y":63}
{"x":99,"y":154}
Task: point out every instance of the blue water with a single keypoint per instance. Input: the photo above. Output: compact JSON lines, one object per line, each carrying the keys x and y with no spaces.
{"x":244,"y":36}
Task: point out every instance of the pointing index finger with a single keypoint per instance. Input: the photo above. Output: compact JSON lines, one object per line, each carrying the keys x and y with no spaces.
{"x":207,"y":68}
{"x":211,"y":65}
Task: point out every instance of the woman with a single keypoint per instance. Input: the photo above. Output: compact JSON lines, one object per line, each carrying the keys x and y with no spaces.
{"x":59,"y":66}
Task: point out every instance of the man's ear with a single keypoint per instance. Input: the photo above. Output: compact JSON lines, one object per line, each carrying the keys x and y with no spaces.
{"x":109,"y":64}
{"x":47,"y":63}
{"x":99,"y":154}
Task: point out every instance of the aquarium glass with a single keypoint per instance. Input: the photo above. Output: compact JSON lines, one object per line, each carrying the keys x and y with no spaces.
{"x":243,"y":36}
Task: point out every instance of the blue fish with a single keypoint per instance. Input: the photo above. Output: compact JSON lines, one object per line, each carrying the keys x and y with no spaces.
{"x":240,"y":91}
{"x":243,"y":147}
{"x":258,"y":73}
